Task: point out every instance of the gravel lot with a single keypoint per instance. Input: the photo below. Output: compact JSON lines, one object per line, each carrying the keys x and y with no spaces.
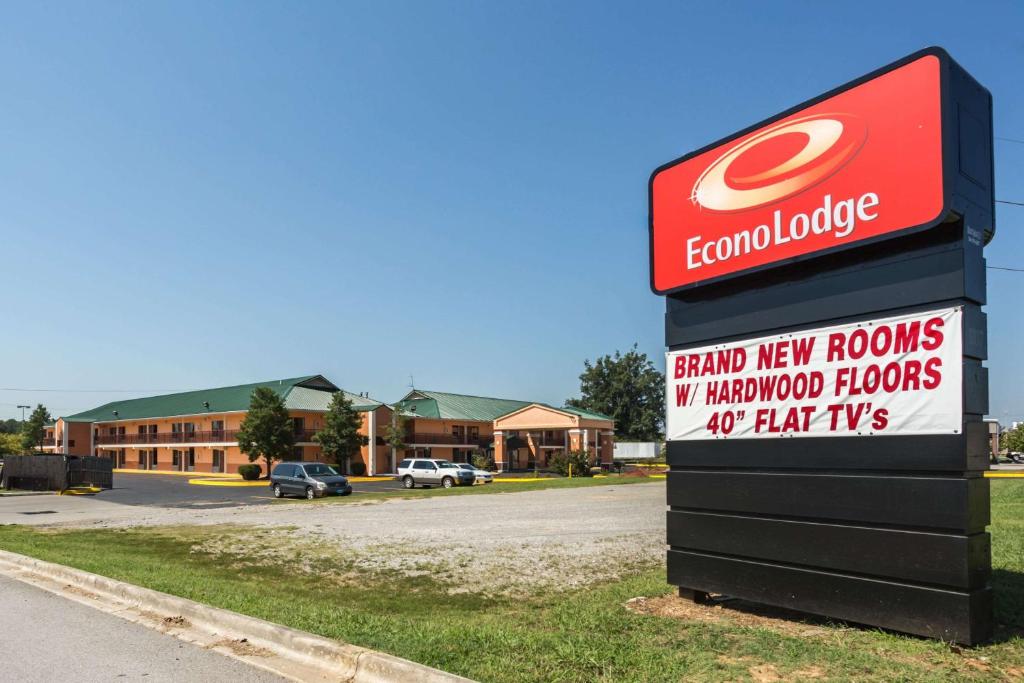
{"x":546,"y":538}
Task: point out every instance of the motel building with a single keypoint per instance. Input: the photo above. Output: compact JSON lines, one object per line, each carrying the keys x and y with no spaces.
{"x":518,"y":435}
{"x":195,"y":431}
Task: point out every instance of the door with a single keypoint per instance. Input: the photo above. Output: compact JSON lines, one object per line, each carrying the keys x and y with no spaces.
{"x":218,"y":461}
{"x":433,"y":474}
{"x":424,"y":472}
{"x":190,"y":461}
{"x":284,"y":477}
{"x":298,"y":480}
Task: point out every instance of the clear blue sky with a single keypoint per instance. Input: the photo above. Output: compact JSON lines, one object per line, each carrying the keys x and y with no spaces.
{"x":195,"y":194}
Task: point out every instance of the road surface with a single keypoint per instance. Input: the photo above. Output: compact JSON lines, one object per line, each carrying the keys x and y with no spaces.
{"x":49,"y":638}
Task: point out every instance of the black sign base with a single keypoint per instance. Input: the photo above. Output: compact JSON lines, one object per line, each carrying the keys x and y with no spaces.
{"x":881,"y":530}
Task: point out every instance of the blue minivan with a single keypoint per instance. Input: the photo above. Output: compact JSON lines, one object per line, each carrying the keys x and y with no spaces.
{"x":309,"y":479}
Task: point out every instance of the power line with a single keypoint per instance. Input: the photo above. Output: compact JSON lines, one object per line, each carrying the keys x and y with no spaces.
{"x":1015,"y":270}
{"x":1006,"y":201}
{"x":1019,"y":142}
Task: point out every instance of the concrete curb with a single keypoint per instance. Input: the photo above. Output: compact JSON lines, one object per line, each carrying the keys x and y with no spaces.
{"x":291,"y":653}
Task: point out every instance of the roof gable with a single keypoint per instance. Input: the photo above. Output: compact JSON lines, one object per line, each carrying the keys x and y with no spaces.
{"x":537,"y":416}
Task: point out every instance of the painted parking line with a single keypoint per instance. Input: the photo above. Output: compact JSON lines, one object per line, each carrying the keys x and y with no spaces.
{"x":1004,"y":475}
{"x":172,"y":473}
{"x":227,"y":482}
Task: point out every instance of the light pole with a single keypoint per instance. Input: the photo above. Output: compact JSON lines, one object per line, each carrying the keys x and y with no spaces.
{"x":23,"y":409}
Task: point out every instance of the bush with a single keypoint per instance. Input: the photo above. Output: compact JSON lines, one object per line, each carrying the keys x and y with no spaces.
{"x":482,"y":461}
{"x":250,"y":472}
{"x":358,"y":469}
{"x":579,"y":460}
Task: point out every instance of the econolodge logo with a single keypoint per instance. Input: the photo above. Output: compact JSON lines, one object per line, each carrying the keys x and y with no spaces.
{"x":779,"y":162}
{"x":854,"y":166}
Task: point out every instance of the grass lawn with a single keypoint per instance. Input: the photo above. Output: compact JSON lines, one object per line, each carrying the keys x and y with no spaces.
{"x":547,"y":635}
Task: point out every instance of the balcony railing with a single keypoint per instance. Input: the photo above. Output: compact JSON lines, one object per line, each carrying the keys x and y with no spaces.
{"x":52,"y":441}
{"x":427,"y":439}
{"x":214,"y":436}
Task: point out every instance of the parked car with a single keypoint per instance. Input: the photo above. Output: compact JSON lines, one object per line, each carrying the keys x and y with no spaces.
{"x":309,"y":479}
{"x":482,"y":476}
{"x":427,"y":472}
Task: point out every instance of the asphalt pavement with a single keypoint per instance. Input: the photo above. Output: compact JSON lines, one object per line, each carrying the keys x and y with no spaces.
{"x":165,"y":490}
{"x":49,"y":638}
{"x":138,"y":495}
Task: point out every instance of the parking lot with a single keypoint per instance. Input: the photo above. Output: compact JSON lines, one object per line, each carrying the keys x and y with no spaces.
{"x":159,"y":490}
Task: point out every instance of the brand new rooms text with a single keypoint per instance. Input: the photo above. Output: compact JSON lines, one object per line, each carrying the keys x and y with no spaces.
{"x":840,"y":218}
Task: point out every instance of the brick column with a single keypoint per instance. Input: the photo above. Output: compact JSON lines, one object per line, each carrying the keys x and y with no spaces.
{"x":499,"y":451}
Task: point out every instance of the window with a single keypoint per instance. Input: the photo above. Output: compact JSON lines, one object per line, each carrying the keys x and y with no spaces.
{"x":459,"y":432}
{"x":474,"y":433}
{"x":71,"y":443}
{"x":152,"y":429}
{"x":404,"y":464}
{"x":298,"y":425}
{"x":217,"y":427}
{"x":284,"y":470}
{"x":456,"y":454}
{"x":297,"y":452}
{"x":142,"y":430}
{"x":422,"y":465}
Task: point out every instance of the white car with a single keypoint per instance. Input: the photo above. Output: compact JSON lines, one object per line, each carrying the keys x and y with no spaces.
{"x":427,"y":472}
{"x":482,"y":476}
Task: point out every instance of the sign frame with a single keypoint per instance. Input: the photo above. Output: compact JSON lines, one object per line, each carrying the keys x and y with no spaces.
{"x":948,"y":141}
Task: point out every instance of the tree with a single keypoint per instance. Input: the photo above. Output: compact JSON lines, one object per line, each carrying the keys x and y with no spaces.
{"x":267,"y":431}
{"x":340,"y":438}
{"x":10,"y":426}
{"x":1012,"y":440}
{"x":10,"y":444}
{"x":394,"y":433}
{"x":628,"y":388}
{"x":35,"y":428}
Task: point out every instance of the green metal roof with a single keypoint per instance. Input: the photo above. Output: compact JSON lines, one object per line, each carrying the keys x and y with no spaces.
{"x":589,"y":414}
{"x":312,"y":392}
{"x":446,"y":406}
{"x":304,"y":398}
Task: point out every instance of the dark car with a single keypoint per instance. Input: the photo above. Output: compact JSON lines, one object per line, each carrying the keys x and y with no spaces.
{"x":309,"y":479}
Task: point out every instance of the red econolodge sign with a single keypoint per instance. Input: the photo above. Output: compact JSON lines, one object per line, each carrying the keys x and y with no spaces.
{"x":859,"y":164}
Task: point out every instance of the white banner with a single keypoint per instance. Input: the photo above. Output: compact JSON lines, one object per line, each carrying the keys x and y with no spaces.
{"x":899,"y":375}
